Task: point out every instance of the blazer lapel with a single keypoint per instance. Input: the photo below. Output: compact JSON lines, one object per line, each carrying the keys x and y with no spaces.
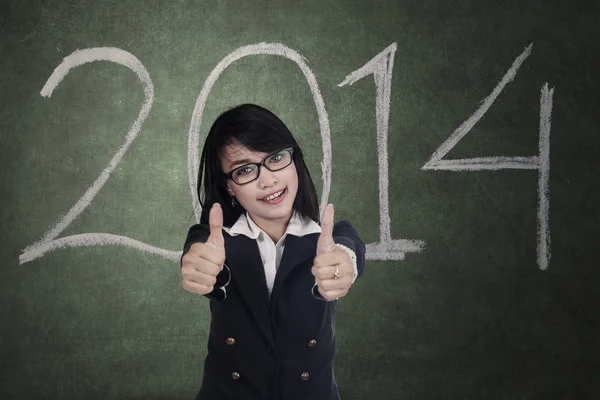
{"x":297,"y":250}
{"x":246,"y":267}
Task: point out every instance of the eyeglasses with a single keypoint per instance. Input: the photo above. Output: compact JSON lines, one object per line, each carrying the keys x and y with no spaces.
{"x":250,"y":172}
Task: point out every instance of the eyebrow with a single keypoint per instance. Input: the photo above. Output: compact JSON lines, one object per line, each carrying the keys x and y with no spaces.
{"x":243,"y":161}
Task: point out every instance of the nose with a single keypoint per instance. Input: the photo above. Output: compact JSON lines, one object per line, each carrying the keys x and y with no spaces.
{"x":267,"y":179}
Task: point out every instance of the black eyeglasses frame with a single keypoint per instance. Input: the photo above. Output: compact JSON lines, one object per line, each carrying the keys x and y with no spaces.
{"x":229,"y":175}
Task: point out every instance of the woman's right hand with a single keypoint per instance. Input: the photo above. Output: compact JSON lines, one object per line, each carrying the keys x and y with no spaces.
{"x":203,"y":261}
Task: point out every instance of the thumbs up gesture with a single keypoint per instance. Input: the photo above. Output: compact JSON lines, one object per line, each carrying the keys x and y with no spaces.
{"x":332,"y":267}
{"x":203,"y":262}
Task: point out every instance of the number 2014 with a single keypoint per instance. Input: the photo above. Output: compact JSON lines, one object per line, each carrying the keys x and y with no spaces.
{"x":381,"y":68}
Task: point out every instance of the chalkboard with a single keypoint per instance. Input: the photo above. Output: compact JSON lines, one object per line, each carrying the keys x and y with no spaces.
{"x":461,"y":139}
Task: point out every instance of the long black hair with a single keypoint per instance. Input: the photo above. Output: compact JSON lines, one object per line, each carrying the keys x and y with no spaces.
{"x":259,"y":130}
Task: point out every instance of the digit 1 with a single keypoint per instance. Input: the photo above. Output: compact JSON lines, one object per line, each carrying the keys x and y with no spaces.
{"x":381,"y":67}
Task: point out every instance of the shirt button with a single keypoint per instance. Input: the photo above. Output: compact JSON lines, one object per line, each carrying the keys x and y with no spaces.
{"x":235,"y":375}
{"x":304,"y":376}
{"x":312,"y":343}
{"x":230,"y":341}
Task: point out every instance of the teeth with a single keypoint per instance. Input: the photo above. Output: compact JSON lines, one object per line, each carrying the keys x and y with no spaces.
{"x":274,"y":196}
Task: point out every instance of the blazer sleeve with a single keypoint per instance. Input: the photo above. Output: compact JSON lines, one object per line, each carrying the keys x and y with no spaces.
{"x":199,"y":234}
{"x":346,"y":235}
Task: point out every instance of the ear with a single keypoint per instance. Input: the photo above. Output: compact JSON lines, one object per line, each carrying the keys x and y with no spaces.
{"x":229,"y":190}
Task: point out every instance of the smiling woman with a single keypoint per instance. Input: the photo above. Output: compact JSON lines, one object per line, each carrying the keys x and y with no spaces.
{"x":242,"y":136}
{"x":270,"y":201}
{"x":272,"y":273}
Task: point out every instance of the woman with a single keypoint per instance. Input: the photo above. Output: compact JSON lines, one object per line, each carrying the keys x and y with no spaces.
{"x":272,"y":273}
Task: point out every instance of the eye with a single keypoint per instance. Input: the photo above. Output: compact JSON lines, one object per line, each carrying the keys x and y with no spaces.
{"x":277,"y":158}
{"x":245,"y":170}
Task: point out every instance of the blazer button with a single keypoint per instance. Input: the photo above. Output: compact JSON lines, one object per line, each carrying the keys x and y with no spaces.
{"x":230,"y":341}
{"x":304,"y":376}
{"x":312,"y":343}
{"x":235,"y":375}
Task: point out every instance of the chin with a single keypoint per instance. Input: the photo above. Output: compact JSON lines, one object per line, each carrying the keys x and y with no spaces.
{"x":280,"y":214}
{"x":283,"y":212}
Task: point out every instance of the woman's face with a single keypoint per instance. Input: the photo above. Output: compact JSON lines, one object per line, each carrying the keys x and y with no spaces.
{"x":255,"y":196}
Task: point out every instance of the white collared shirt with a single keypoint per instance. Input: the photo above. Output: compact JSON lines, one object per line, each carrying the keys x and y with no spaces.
{"x":270,"y":252}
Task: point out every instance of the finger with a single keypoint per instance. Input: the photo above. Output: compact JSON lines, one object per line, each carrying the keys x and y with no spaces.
{"x":324,"y":273}
{"x":208,"y":252}
{"x":196,"y":287}
{"x":192,"y":275}
{"x":325,"y":243}
{"x":332,"y":294}
{"x":331,"y":259}
{"x":215,"y":221}
{"x":200,"y":253}
{"x":202,"y":265}
{"x":328,"y":284}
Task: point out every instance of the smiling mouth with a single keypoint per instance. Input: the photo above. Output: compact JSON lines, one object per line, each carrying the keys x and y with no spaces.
{"x":274,"y":196}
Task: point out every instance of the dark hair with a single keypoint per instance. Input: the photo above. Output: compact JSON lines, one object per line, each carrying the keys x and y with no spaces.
{"x":259,"y":130}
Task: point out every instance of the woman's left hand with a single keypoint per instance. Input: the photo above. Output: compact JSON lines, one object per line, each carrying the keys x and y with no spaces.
{"x":332,"y":267}
{"x":333,"y":285}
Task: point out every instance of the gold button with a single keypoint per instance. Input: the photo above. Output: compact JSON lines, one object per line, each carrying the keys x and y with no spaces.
{"x":312,"y":343}
{"x":304,"y":376}
{"x":230,"y":341}
{"x":235,"y":375}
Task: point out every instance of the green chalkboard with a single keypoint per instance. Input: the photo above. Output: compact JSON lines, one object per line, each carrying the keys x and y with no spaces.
{"x":460,"y":138}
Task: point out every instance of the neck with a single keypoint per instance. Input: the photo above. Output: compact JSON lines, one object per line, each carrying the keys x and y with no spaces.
{"x":274,"y":228}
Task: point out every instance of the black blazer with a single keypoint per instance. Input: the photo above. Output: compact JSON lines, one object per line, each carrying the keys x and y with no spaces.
{"x":280,"y":348}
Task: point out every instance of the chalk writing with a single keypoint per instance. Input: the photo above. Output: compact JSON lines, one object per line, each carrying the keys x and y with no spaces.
{"x":381,"y":67}
{"x":541,"y":162}
{"x":48,"y":242}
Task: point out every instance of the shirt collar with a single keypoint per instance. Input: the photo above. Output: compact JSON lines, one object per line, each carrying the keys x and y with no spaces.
{"x":298,"y":226}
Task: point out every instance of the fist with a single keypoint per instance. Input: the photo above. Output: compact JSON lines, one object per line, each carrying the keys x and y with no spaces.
{"x":332,"y":266}
{"x":203,"y":262}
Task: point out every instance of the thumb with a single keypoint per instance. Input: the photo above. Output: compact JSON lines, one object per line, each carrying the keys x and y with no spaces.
{"x":215,"y":221}
{"x":325,"y":243}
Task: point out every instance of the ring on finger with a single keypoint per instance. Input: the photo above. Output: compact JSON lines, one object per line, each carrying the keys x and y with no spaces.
{"x":336,"y":274}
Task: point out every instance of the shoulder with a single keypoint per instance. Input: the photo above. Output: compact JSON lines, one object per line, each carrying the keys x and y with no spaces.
{"x":344,"y":227}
